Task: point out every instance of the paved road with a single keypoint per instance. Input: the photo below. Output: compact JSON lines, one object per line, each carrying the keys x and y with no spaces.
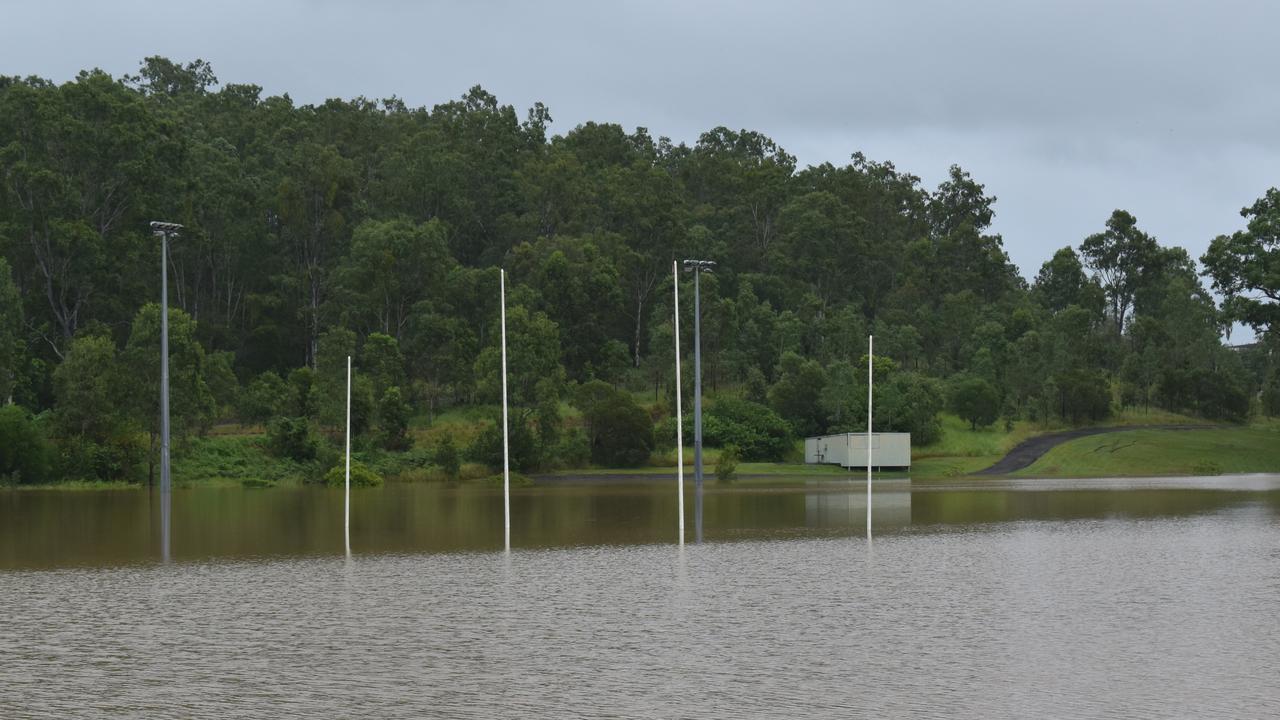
{"x":1028,"y":451}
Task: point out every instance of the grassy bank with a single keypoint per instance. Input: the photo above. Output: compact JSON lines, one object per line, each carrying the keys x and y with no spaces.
{"x":1233,"y":449}
{"x":233,"y":455}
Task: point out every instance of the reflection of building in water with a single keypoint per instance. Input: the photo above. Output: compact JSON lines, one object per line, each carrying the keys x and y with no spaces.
{"x":845,"y":509}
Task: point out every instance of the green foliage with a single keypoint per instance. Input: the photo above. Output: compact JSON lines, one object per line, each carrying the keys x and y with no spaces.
{"x":522,"y":445}
{"x":1243,"y":265}
{"x":375,"y":230}
{"x":393,"y":421}
{"x":1082,"y":395}
{"x":727,"y":464}
{"x":975,"y":400}
{"x":361,"y":476}
{"x":267,"y":396}
{"x":291,"y":437}
{"x":11,"y":341}
{"x":191,"y":403}
{"x":758,"y":432}
{"x":25,"y":454}
{"x":448,"y":459}
{"x":88,"y":388}
{"x":619,"y":433}
{"x":797,"y":396}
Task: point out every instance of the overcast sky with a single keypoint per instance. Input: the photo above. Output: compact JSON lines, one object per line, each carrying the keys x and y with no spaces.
{"x":1065,"y":111}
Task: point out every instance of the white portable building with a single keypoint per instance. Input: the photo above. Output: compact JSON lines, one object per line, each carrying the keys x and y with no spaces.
{"x":888,"y":450}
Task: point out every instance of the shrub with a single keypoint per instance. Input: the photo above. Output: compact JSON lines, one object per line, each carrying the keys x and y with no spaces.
{"x":757,"y":432}
{"x":447,"y":458}
{"x":975,"y":400}
{"x":361,"y":476}
{"x":267,"y":396}
{"x":619,"y":432}
{"x":1083,"y":395}
{"x":291,"y":438}
{"x":522,"y":445}
{"x":727,"y":464}
{"x":25,"y":455}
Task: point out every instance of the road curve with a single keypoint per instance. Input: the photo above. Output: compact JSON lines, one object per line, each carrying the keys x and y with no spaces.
{"x":1029,"y":451}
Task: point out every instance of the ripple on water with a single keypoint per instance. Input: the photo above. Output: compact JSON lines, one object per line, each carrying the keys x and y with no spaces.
{"x":1092,"y":618}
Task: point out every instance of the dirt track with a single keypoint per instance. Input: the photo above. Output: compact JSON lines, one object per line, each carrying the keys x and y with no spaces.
{"x":1028,"y":451}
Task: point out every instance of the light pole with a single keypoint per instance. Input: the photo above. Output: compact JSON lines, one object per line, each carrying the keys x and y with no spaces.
{"x":164,"y":230}
{"x":697,"y":267}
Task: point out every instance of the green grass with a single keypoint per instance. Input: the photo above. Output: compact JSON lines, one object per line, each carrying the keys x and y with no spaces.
{"x":1231,"y":449}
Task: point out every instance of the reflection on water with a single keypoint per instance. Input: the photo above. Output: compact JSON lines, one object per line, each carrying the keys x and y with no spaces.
{"x":1000,"y":600}
{"x":69,"y":528}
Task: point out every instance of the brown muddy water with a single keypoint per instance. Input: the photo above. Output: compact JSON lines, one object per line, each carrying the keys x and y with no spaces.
{"x":976,"y":599}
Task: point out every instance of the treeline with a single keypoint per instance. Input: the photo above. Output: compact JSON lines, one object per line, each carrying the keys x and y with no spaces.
{"x":375,"y":229}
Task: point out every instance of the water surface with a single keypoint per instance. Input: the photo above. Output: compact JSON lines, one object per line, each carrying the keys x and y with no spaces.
{"x":1152,"y":598}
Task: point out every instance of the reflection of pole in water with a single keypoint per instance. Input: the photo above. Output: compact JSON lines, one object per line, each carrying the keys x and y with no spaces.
{"x":697,"y":514}
{"x":164,"y":522}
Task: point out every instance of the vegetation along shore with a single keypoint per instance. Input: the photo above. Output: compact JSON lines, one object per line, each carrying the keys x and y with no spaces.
{"x":376,"y":230}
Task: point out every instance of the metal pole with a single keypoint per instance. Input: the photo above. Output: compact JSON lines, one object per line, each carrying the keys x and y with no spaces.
{"x":870,"y":380}
{"x":346,"y":507}
{"x":697,"y":401}
{"x":697,"y":379}
{"x":506,"y":462}
{"x":165,"y":485}
{"x":675,"y":278}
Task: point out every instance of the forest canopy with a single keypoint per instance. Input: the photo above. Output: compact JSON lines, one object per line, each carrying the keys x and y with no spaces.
{"x":373,"y":229}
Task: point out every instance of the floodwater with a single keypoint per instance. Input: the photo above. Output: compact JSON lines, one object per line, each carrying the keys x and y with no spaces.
{"x":976,"y":599}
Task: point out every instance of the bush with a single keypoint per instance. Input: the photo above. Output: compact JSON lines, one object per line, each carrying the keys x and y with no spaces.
{"x":25,"y":455}
{"x":393,"y":421}
{"x":523,"y":447}
{"x":1083,"y":395}
{"x":619,"y":432}
{"x":361,"y":476}
{"x":758,"y":433}
{"x":267,"y":396}
{"x":118,"y":459}
{"x":291,"y":438}
{"x":727,"y":464}
{"x":447,"y":457}
{"x":975,"y":400}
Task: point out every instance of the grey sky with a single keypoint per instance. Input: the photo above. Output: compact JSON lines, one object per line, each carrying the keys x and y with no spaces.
{"x":1065,"y":111}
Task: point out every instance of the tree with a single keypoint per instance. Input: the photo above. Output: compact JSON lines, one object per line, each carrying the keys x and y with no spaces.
{"x":89,"y":388}
{"x":619,"y":432}
{"x":25,"y":455}
{"x":1245,"y":266}
{"x":11,"y":341}
{"x":191,"y":403}
{"x":1122,"y":256}
{"x":975,"y":400}
{"x":392,"y":266}
{"x":758,"y":432}
{"x":797,"y":395}
{"x":1062,"y":282}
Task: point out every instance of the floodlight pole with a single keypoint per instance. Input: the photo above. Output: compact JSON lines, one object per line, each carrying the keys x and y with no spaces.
{"x":163,"y":230}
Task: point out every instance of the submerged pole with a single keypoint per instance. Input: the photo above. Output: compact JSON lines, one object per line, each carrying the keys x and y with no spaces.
{"x":697,"y":379}
{"x":346,"y":475}
{"x":870,"y":380}
{"x":165,"y":481}
{"x":506,"y":461}
{"x":675,"y":280}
